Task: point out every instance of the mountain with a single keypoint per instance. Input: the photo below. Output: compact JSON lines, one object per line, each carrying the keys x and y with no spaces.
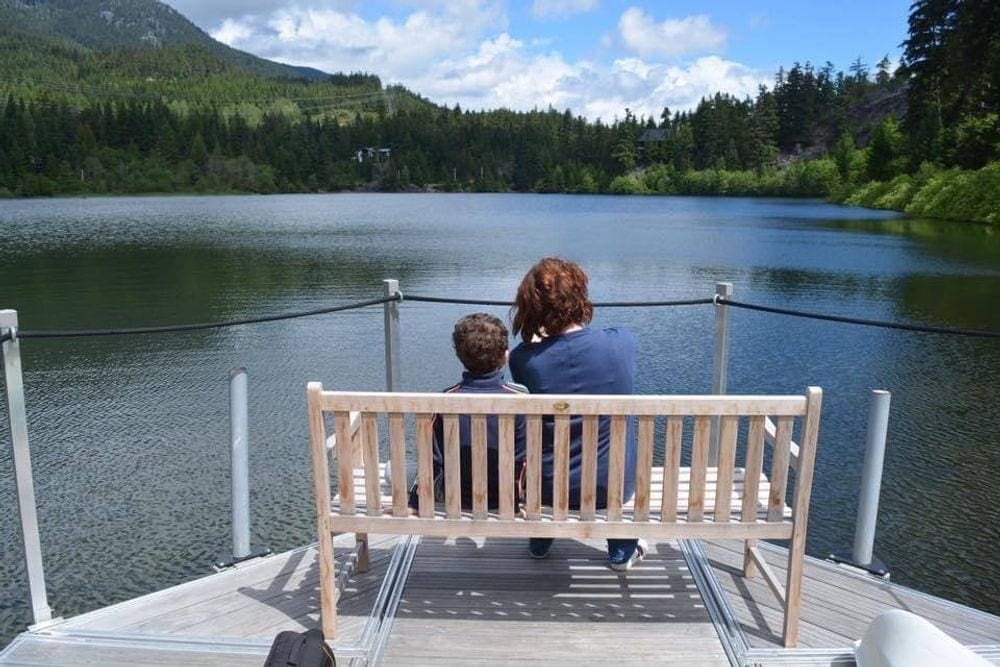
{"x":103,"y":25}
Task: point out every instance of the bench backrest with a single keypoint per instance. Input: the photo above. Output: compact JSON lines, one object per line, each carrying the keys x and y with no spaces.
{"x":660,"y":424}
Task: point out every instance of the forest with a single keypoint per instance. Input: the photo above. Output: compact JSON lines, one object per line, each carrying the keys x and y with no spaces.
{"x":923,"y":137}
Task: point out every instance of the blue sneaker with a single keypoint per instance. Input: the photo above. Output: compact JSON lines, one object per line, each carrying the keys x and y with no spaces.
{"x":539,"y":547}
{"x":621,"y":557}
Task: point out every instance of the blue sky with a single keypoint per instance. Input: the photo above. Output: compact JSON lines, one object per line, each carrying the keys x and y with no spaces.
{"x":595,"y":57}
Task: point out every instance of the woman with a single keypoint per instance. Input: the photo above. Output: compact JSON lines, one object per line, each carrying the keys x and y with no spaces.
{"x":561,"y":354}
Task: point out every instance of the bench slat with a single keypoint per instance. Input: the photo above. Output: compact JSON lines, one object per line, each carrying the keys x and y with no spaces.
{"x":480,"y":468}
{"x":572,"y":528}
{"x":425,"y":464}
{"x":560,"y":465}
{"x":588,"y":469}
{"x":397,"y":459}
{"x":699,"y":461}
{"x":533,"y":486}
{"x":571,"y":404}
{"x":754,"y":464}
{"x":643,"y":467}
{"x":779,"y":468}
{"x":616,"y":466}
{"x":505,"y":474}
{"x":369,"y":450}
{"x":452,"y":467}
{"x":728,"y":429}
{"x":672,"y":462}
{"x":345,"y":461}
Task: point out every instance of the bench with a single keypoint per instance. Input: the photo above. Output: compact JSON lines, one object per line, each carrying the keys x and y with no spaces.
{"x":727,"y":500}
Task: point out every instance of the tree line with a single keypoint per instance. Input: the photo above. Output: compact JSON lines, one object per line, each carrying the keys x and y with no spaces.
{"x":815,"y":132}
{"x":52,"y":145}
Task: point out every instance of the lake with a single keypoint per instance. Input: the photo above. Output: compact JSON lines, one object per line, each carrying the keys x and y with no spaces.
{"x":129,"y":435}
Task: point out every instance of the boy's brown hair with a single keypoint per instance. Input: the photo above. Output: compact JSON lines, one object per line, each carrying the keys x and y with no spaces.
{"x":480,"y":342}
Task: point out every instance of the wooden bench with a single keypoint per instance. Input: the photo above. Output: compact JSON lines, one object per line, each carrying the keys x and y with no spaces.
{"x":670,"y":502}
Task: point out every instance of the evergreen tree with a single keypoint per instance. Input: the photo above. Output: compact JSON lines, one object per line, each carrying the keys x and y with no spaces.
{"x":886,"y":151}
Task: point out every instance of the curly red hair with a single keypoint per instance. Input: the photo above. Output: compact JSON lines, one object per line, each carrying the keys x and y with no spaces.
{"x":551,"y":298}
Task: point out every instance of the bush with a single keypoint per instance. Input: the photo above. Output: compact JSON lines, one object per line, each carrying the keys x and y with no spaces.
{"x":960,"y":195}
{"x":629,"y":184}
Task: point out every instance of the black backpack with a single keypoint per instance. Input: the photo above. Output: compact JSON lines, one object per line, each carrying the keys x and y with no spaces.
{"x":300,"y":649}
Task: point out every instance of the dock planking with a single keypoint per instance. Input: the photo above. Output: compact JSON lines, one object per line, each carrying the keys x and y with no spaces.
{"x":483,"y":601}
{"x":838,"y":603}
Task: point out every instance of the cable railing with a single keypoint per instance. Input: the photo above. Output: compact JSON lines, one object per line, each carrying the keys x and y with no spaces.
{"x":421,"y":298}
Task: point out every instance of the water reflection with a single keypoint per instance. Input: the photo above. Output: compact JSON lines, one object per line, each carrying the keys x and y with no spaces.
{"x":129,"y":434}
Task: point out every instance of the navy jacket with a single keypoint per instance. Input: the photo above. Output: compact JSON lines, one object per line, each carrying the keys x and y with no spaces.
{"x":477,"y":384}
{"x":588,"y":361}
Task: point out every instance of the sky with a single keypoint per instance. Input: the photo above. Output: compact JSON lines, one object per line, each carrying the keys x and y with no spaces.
{"x":594,"y":57}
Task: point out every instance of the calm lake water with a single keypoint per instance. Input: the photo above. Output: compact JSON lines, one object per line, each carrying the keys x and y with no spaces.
{"x":129,"y":435}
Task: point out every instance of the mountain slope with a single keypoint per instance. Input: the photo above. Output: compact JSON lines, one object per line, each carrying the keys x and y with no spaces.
{"x":103,"y":25}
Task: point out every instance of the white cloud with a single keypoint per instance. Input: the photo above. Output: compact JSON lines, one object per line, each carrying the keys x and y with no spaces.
{"x":503,"y":73}
{"x":335,"y":40}
{"x":232,"y":31}
{"x":461,"y":53}
{"x":672,"y":38}
{"x":211,"y":13}
{"x":543,"y":9}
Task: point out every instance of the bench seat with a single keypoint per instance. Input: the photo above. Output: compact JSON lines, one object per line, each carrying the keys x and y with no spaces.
{"x":684,"y":479}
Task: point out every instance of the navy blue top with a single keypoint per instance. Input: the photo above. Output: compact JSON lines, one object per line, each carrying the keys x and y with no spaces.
{"x":491,"y":383}
{"x":588,"y":361}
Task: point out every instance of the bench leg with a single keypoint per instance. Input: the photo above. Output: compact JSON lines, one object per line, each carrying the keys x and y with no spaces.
{"x":793,"y":587}
{"x":327,"y":586}
{"x":749,"y":566}
{"x":362,"y":542}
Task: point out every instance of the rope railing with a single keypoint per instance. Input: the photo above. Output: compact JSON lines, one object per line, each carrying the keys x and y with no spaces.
{"x":597,"y":304}
{"x":169,"y":328}
{"x":974,"y":333}
{"x":718,"y":300}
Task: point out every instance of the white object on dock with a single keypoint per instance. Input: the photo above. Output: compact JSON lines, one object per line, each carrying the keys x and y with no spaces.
{"x":898,"y":638}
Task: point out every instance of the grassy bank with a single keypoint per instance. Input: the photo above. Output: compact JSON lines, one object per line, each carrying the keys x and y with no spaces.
{"x":932,"y":192}
{"x":812,"y":178}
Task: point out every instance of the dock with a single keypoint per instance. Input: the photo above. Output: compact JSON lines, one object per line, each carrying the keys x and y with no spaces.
{"x":471,"y":601}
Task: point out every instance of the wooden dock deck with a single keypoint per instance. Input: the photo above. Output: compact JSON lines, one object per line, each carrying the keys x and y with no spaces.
{"x":471,"y":601}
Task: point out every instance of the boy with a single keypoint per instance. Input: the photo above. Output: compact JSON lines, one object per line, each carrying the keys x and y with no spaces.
{"x":480,"y":342}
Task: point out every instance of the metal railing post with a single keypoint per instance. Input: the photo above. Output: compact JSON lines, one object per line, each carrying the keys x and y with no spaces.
{"x":871,"y":476}
{"x":720,"y":362}
{"x":862,"y":555}
{"x":239,"y":451}
{"x":240,"y":462}
{"x":21,"y":456}
{"x":390,"y":288}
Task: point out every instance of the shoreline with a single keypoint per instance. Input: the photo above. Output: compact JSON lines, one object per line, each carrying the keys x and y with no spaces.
{"x":433,"y":189}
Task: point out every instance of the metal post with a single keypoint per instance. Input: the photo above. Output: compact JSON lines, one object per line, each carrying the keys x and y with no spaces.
{"x":240,"y":462}
{"x":239,"y":450}
{"x":720,"y":362}
{"x":862,"y":555}
{"x":21,"y":456}
{"x":871,"y":476}
{"x":391,"y":309}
